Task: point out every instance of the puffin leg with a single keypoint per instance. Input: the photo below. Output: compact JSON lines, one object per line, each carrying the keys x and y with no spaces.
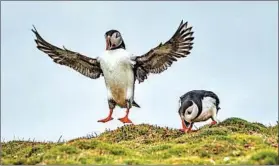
{"x":214,"y":119}
{"x":111,"y":107}
{"x":213,"y":122}
{"x":190,"y":128}
{"x":109,"y":118}
{"x":126,"y":119}
{"x":184,"y":126}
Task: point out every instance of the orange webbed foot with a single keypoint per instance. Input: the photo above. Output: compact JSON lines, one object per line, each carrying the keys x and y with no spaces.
{"x":187,"y":130}
{"x":213,"y":122}
{"x":105,"y":120}
{"x":125,"y":120}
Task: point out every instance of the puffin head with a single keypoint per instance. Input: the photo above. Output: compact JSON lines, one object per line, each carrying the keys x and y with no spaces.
{"x":189,"y":110}
{"x":114,"y":40}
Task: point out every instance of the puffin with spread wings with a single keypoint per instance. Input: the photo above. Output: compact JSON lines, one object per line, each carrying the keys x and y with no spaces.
{"x":119,"y":67}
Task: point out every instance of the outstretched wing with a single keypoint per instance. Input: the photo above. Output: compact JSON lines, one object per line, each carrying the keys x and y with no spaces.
{"x":161,"y":57}
{"x":89,"y":67}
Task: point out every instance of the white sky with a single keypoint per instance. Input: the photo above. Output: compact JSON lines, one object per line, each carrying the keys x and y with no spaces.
{"x":235,"y":55}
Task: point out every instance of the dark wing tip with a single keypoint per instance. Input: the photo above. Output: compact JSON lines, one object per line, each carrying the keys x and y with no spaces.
{"x":182,"y":41}
{"x":186,"y":32}
{"x":181,"y":23}
{"x":185,"y":24}
{"x":34,"y":29}
{"x":39,"y":39}
{"x":38,"y":36}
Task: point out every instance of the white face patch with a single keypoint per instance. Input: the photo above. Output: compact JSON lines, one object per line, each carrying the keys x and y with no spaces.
{"x":116,"y":39}
{"x":191,"y":112}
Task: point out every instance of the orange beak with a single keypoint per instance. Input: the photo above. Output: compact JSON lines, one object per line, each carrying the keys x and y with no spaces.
{"x":107,"y":42}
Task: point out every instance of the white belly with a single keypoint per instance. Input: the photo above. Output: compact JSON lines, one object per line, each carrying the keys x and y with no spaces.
{"x":204,"y":116}
{"x":119,"y":78}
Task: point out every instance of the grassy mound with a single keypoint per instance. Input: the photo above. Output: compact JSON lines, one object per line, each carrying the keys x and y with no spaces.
{"x":233,"y":141}
{"x":142,"y":133}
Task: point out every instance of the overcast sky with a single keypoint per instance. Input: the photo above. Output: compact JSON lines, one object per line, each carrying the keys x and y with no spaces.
{"x":235,"y":55}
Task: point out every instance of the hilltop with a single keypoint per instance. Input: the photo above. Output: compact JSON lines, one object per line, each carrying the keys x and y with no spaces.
{"x":233,"y":141}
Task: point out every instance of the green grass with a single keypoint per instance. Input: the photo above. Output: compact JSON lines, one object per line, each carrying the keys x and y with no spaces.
{"x":233,"y":141}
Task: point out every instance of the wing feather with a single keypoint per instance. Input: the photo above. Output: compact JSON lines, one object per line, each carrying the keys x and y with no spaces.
{"x":87,"y":66}
{"x":161,"y":57}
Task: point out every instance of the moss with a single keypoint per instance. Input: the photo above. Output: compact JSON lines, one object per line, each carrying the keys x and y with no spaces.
{"x":237,"y":124}
{"x":34,"y":160}
{"x":177,"y":151}
{"x":158,"y":148}
{"x":100,"y":159}
{"x":68,"y":149}
{"x":214,"y":131}
{"x":132,"y":162}
{"x":140,"y":133}
{"x":86,"y":145}
{"x":113,"y":149}
{"x":259,"y":124}
{"x":19,"y":161}
{"x":233,"y":141}
{"x":265,"y":157}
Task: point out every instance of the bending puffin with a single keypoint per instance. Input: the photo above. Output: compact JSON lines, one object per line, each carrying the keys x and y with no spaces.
{"x":197,"y":106}
{"x":119,"y":67}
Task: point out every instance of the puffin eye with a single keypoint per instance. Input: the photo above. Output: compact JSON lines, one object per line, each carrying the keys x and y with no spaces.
{"x":117,"y":35}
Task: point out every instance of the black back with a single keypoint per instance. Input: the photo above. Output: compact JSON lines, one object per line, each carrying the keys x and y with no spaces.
{"x":196,"y":96}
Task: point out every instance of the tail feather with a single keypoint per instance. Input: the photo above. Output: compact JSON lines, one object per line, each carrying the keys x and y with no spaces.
{"x":135,"y":104}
